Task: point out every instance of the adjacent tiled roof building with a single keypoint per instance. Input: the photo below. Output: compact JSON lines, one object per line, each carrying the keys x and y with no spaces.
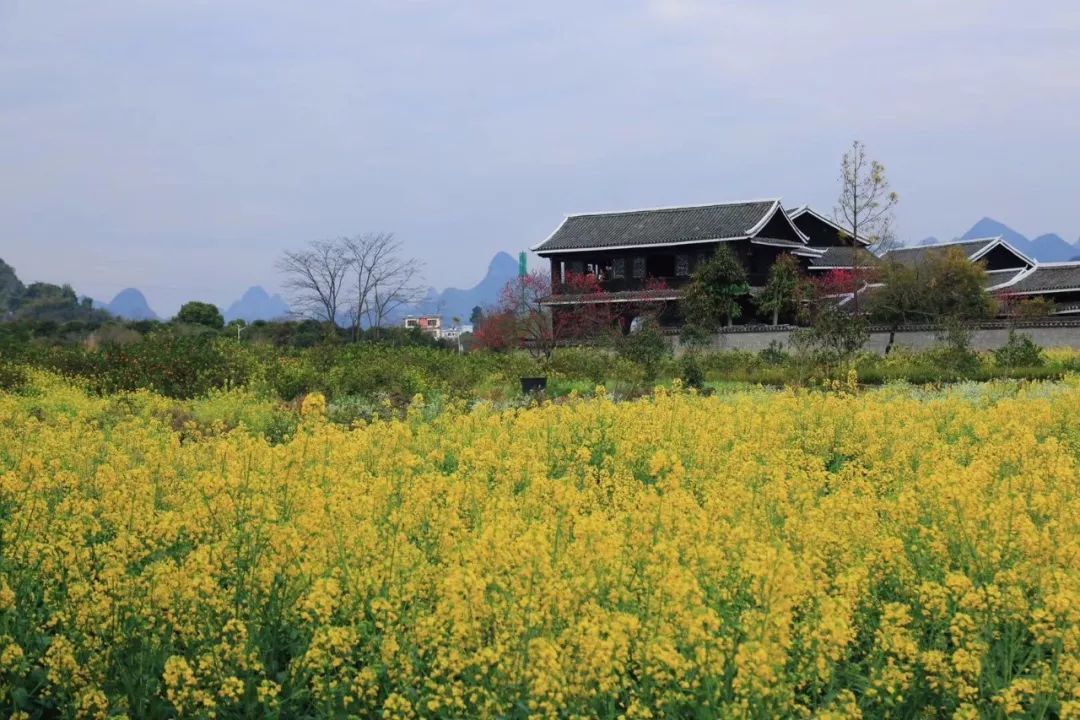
{"x":1047,"y":278}
{"x":838,"y":258}
{"x":647,"y":256}
{"x":665,"y":226}
{"x":918,"y":254}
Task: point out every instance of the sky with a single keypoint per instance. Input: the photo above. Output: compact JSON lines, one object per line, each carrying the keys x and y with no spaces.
{"x":179,"y":146}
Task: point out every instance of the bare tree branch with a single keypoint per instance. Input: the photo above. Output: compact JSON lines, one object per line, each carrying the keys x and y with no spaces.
{"x":367,"y":254}
{"x":314,"y":279}
{"x":865,"y":205}
{"x":397,"y":282}
{"x":365,"y":277}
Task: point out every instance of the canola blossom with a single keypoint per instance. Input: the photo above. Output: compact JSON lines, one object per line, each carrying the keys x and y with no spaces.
{"x":886,"y":553}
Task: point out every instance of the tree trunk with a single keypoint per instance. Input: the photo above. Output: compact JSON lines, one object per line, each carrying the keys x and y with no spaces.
{"x":776,"y":316}
{"x":892,"y":339}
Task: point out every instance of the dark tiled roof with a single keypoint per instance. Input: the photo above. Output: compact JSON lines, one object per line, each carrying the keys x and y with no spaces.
{"x":621,"y":296}
{"x":776,"y":242}
{"x":1002,"y":278}
{"x":806,"y":218}
{"x":657,"y":227}
{"x":1048,"y":277}
{"x":917,"y":255}
{"x":840,"y":257}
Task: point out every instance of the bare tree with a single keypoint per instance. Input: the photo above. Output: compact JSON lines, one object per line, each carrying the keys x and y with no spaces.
{"x":366,"y":253}
{"x":396,"y":284}
{"x":866,"y":206}
{"x":366,"y":277}
{"x":315,"y":279}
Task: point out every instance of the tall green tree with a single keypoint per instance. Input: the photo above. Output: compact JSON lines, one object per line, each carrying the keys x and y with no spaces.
{"x":714,"y":292}
{"x":201,"y":313}
{"x":782,"y":291}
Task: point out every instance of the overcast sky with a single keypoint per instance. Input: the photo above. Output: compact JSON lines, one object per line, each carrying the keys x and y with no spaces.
{"x":179,"y":145}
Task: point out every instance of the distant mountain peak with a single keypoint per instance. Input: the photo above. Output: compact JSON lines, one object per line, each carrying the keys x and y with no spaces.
{"x":455,"y":302}
{"x":503,"y":261}
{"x":130,"y":304}
{"x":989,"y":227}
{"x":257,"y":304}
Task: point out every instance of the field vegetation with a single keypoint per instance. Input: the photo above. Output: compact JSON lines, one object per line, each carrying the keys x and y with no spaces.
{"x":178,"y":363}
{"x":829,"y":552}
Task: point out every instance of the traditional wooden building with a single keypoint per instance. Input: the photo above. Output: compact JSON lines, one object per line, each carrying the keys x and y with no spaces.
{"x":841,"y":249}
{"x":1004,"y":263}
{"x":1058,"y":282}
{"x":641,"y":255}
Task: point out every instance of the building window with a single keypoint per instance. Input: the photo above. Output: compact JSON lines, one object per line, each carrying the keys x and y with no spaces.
{"x":618,"y":268}
{"x":682,"y":265}
{"x":639,"y":267}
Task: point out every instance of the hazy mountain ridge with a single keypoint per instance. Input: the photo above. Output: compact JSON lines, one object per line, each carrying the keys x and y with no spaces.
{"x":1049,"y":247}
{"x":257,"y":304}
{"x":457,"y":302}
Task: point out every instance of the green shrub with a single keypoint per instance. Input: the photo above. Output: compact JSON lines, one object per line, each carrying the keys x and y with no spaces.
{"x":647,"y":347}
{"x":1019,"y":351}
{"x":578,"y":362}
{"x":12,"y":377}
{"x":690,"y":372}
{"x":953,"y":354}
{"x":775,"y":354}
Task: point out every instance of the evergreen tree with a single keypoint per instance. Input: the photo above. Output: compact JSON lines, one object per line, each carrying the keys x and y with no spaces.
{"x":201,"y":313}
{"x":782,"y":290}
{"x":714,"y":293}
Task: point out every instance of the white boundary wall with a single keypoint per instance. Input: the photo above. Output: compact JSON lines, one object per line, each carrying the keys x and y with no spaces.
{"x":986,"y":337}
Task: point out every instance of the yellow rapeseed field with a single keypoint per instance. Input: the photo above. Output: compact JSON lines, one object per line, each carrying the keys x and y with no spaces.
{"x":885,"y":553}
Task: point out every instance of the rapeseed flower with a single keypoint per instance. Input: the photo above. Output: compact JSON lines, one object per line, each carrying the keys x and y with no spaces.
{"x":831,"y":553}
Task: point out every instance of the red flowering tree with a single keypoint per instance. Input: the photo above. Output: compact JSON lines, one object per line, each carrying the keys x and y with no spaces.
{"x":523,"y":319}
{"x":651,"y":303}
{"x":1020,"y":307}
{"x":588,"y":317}
{"x":844,"y":281}
{"x":841,"y":281}
{"x":497,"y":332}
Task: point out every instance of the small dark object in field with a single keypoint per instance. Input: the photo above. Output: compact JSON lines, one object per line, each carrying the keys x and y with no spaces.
{"x":530,"y":385}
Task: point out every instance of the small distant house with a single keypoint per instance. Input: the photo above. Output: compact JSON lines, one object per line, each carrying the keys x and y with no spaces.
{"x":649,"y":255}
{"x":427,"y":324}
{"x":454,"y":332}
